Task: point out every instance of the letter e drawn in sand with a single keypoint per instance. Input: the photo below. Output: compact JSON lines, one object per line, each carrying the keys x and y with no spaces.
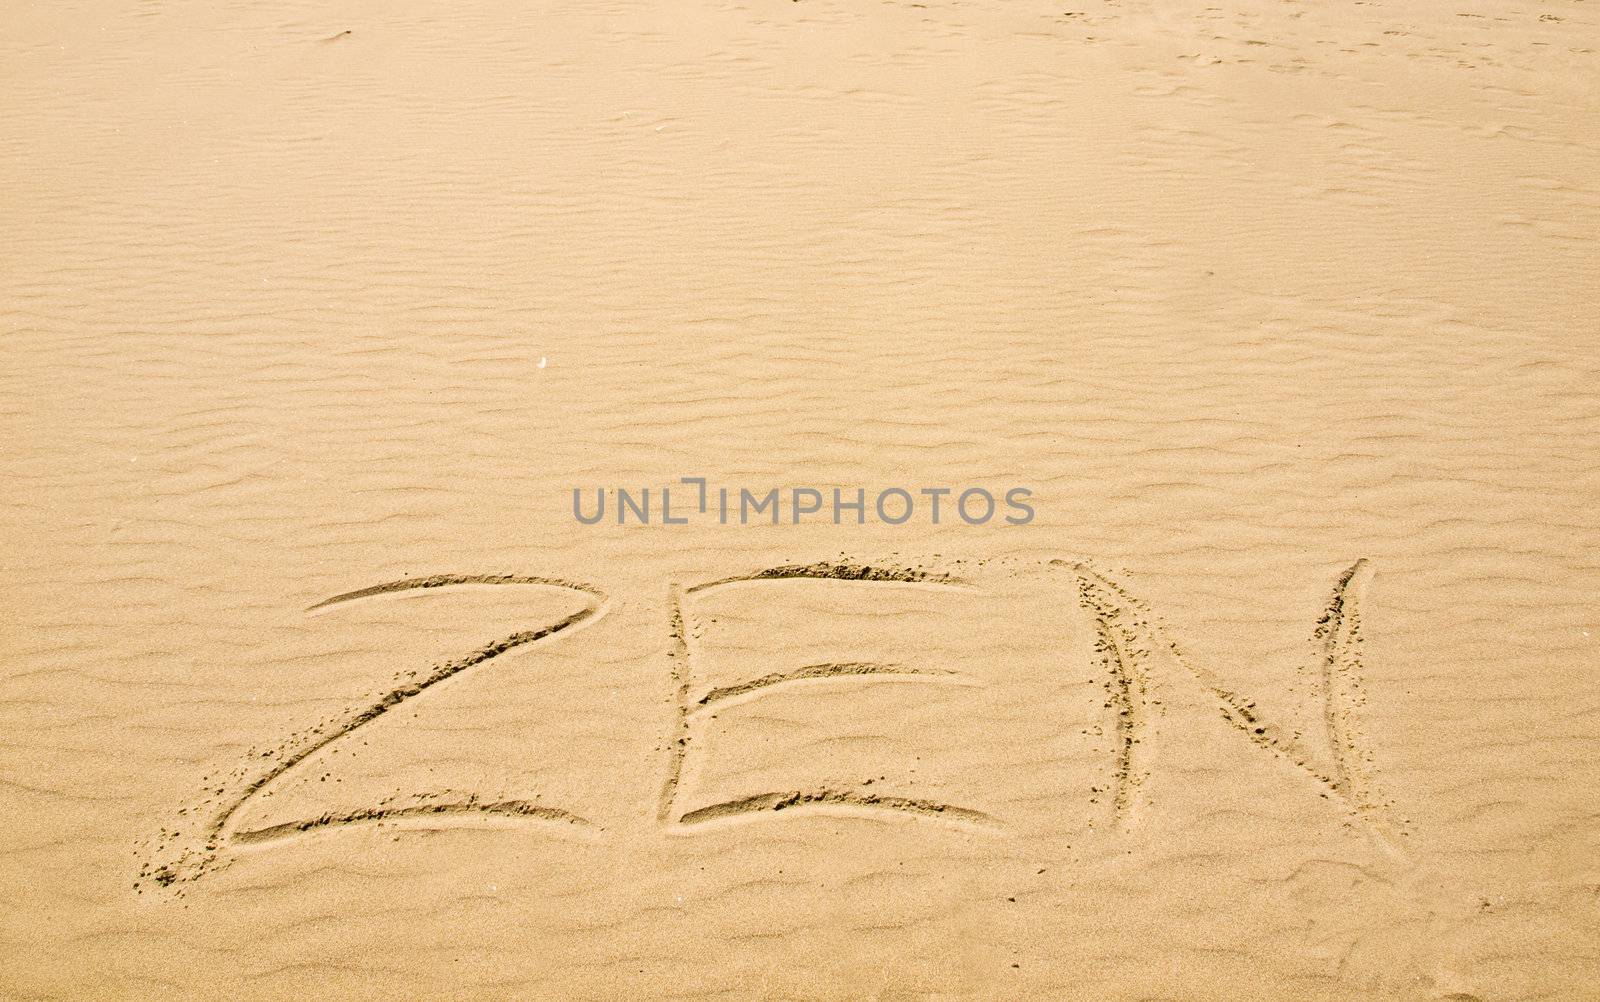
{"x":693,"y":706}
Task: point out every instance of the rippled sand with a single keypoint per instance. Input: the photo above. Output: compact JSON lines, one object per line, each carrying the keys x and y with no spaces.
{"x":311,"y":685}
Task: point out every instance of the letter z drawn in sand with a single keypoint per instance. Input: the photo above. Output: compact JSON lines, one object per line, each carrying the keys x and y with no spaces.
{"x":695,"y":704}
{"x":226,"y":829}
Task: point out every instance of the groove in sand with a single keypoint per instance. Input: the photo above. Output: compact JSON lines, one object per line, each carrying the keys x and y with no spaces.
{"x":1126,"y":686}
{"x":1339,"y":629}
{"x":780,"y":801}
{"x":678,"y":660}
{"x":838,"y":571}
{"x":842,"y":669}
{"x":522,"y":809}
{"x":444,"y":580}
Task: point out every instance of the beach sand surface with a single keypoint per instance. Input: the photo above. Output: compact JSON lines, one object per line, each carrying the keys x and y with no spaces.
{"x":312,"y":319}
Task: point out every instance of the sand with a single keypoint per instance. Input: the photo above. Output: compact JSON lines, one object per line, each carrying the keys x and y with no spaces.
{"x":312,"y":685}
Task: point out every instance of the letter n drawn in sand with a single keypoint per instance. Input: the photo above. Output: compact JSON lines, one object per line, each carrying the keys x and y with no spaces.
{"x":1328,"y":749}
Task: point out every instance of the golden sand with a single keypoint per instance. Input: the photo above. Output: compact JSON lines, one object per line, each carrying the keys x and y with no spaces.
{"x":313,"y":686}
